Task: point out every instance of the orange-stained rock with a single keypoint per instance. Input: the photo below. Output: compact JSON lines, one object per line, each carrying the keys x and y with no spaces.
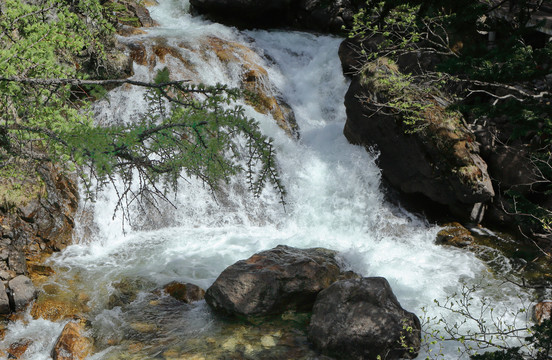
{"x":184,"y":292}
{"x":59,"y":307}
{"x":138,"y":53}
{"x":129,"y":31}
{"x":39,"y":273}
{"x":542,"y":311}
{"x":161,"y":50}
{"x":72,"y":344}
{"x":259,"y":93}
{"x":16,"y":350}
{"x":255,"y":81}
{"x":455,"y":234}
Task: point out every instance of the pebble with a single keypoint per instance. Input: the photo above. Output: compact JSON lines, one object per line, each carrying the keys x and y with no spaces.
{"x":268,"y":341}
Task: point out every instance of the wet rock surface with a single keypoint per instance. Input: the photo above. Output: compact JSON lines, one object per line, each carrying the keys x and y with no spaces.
{"x":18,"y":349}
{"x":187,"y":293}
{"x":4,"y":300}
{"x":126,"y":291}
{"x":454,"y":234}
{"x":362,"y":319}
{"x":72,"y":344}
{"x":55,"y":304}
{"x":274,"y":281}
{"x":21,"y":292}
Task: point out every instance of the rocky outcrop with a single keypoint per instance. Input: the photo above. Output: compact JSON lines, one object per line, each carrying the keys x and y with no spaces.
{"x":72,"y":344}
{"x":274,"y":281}
{"x":131,"y":13}
{"x":317,"y":15}
{"x":254,"y":79}
{"x":36,"y":219}
{"x":423,"y":147}
{"x":362,"y":319}
{"x":231,"y":57}
{"x":42,"y":220}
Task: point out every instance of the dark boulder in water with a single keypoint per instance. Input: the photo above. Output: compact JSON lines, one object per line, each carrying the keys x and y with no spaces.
{"x":362,"y":319}
{"x":274,"y":281}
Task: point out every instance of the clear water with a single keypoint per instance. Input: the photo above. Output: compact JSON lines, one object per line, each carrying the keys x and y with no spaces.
{"x":334,"y":201}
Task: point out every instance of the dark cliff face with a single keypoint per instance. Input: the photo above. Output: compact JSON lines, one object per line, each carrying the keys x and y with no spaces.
{"x":315,"y":15}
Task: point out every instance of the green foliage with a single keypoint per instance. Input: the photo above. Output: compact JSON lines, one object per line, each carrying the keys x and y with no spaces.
{"x":530,"y":214}
{"x":440,"y":43}
{"x":509,"y":354}
{"x":512,"y":61}
{"x":188,"y":130}
{"x":540,"y":342}
{"x":541,"y":339}
{"x":19,"y":184}
{"x":406,"y":98}
{"x":206,"y":139}
{"x":41,"y":40}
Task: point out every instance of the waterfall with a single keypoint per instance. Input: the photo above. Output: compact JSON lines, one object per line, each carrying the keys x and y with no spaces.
{"x":334,"y":200}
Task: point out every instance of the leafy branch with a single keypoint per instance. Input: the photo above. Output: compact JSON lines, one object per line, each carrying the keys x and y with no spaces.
{"x":186,"y":131}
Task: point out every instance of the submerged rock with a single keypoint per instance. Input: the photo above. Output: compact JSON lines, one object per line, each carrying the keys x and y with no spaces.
{"x":362,"y":319}
{"x":273,"y":281}
{"x":187,"y":293}
{"x":60,"y":306}
{"x":126,"y":291}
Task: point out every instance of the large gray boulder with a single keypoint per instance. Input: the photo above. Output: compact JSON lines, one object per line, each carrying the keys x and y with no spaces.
{"x":23,"y":291}
{"x":362,"y":319}
{"x":273,"y":281}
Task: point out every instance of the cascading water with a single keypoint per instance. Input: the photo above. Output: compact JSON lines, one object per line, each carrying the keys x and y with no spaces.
{"x":334,"y":201}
